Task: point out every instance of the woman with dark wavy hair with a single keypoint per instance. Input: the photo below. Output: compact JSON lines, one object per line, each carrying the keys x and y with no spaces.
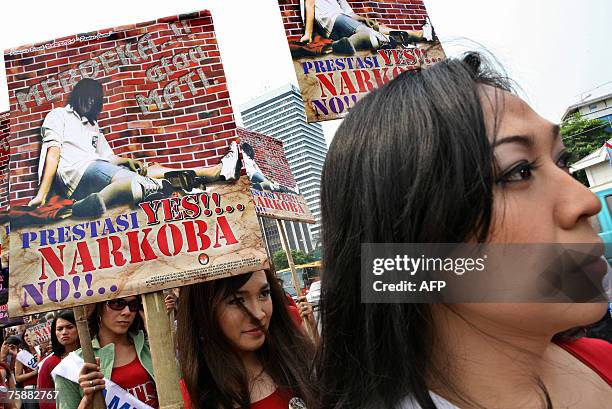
{"x":64,"y":340}
{"x":450,"y":155}
{"x":239,"y":347}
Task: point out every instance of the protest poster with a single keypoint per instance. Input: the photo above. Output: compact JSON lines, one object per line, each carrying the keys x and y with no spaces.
{"x":273,"y":187}
{"x":39,"y":333}
{"x":124,"y":167}
{"x":343,"y":49}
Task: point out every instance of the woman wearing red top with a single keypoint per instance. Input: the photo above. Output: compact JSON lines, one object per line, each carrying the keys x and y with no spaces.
{"x":26,"y":365}
{"x":449,"y":154}
{"x":122,"y":351}
{"x":64,"y":340}
{"x":239,"y":347}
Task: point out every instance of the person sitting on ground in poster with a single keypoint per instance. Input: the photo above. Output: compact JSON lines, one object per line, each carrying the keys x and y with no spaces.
{"x":64,"y":340}
{"x":122,"y":353}
{"x":258,"y":180}
{"x":238,"y":345}
{"x":335,"y":19}
{"x":78,"y":162}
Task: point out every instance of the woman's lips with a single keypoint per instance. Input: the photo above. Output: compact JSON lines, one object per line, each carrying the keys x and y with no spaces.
{"x":256,"y":332}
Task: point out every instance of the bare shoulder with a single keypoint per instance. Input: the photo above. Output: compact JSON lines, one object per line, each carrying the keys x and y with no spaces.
{"x":571,"y":382}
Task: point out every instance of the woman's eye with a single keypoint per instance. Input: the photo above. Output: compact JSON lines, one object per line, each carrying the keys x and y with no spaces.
{"x":237,"y":300}
{"x":264,"y":294}
{"x":521,"y":172}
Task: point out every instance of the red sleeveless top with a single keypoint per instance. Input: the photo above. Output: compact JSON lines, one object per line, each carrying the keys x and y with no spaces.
{"x":594,"y":353}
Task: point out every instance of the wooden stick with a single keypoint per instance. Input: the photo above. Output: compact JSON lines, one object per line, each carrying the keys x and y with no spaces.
{"x":285,"y":243}
{"x":162,"y":351}
{"x":310,"y":330}
{"x":80,"y":317}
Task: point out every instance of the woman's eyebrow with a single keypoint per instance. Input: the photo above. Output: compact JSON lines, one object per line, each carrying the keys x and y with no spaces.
{"x":522,"y":139}
{"x":555,"y":132}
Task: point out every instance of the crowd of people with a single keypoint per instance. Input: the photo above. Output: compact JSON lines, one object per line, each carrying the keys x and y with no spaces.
{"x":445,"y":155}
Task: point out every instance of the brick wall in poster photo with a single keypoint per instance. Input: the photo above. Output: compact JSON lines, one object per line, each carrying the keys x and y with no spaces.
{"x":272,"y":184}
{"x":372,"y":43}
{"x":166,"y":104}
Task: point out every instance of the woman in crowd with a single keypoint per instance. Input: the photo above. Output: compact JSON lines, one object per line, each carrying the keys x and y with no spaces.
{"x":239,"y":347}
{"x":26,"y":363}
{"x":124,"y":357}
{"x":449,"y":155}
{"x":64,"y":340}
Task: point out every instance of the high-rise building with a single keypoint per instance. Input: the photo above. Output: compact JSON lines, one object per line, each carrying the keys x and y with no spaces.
{"x":280,"y":114}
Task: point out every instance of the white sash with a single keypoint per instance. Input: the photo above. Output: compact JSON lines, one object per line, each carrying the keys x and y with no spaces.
{"x":26,"y":358}
{"x":114,"y":395}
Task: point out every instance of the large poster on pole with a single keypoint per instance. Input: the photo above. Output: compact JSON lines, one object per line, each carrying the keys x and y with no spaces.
{"x":343,"y":49}
{"x":273,"y":187}
{"x":124,"y":166}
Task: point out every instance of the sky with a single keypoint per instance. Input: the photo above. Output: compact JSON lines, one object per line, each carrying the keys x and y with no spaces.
{"x":558,"y":51}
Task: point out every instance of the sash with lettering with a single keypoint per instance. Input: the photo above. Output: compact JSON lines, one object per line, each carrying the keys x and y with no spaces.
{"x":26,"y":358}
{"x":114,"y":395}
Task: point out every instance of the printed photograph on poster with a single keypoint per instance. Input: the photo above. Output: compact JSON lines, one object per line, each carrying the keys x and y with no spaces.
{"x":273,"y":187}
{"x":126,"y":178}
{"x":343,"y":49}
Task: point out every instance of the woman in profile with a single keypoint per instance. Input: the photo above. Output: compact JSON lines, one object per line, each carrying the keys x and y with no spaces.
{"x":239,"y":347}
{"x":451,"y":155}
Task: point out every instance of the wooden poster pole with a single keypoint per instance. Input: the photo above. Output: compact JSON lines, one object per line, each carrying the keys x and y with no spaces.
{"x":311,"y":327}
{"x":285,"y":243}
{"x":80,"y":317}
{"x":162,"y":351}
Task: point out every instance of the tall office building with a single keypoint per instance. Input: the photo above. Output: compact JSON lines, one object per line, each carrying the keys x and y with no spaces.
{"x":280,"y":114}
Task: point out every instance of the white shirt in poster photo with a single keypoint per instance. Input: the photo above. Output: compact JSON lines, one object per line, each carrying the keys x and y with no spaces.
{"x":326,"y":12}
{"x":80,"y":144}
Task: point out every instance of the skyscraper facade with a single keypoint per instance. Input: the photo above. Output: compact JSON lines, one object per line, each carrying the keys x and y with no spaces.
{"x":280,"y":114}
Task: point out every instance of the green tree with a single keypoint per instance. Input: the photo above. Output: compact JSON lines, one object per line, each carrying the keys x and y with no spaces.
{"x":581,"y":136}
{"x":299,"y":257}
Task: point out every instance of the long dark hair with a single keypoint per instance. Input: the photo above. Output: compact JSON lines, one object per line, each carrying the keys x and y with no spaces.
{"x":68,"y":315}
{"x":24,"y":344}
{"x":213,"y":372}
{"x":411,"y":163}
{"x":84,"y":89}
